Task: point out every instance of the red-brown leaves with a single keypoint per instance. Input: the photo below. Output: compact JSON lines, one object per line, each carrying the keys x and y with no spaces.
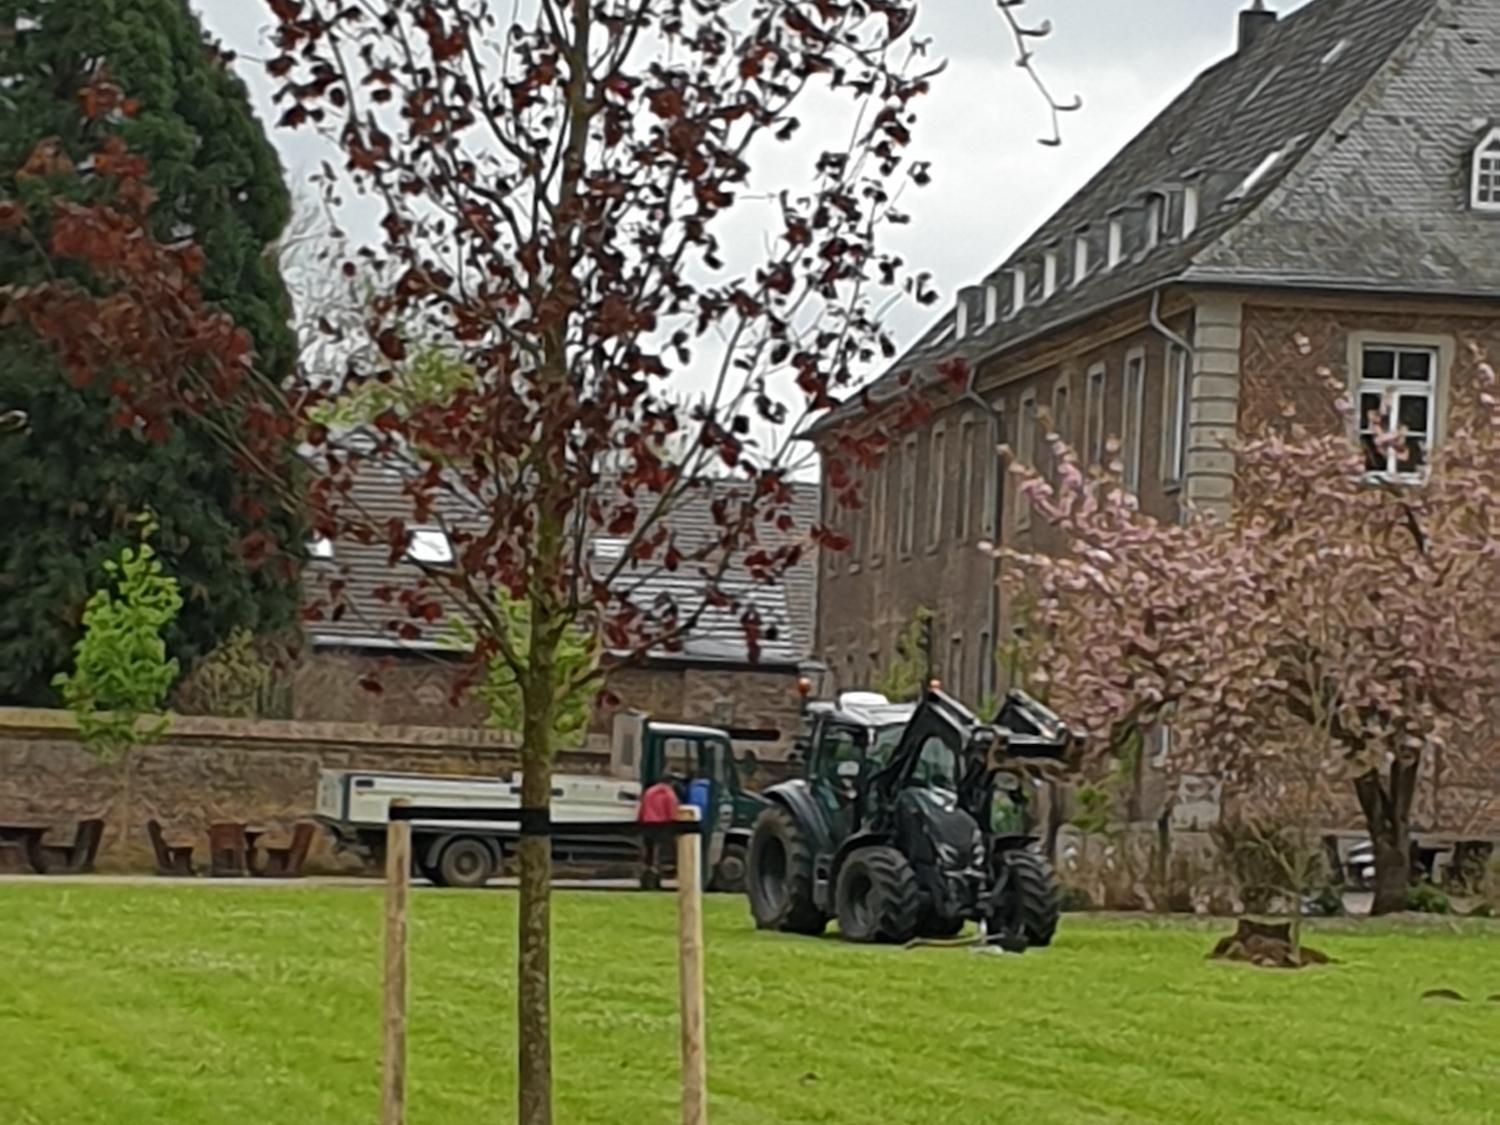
{"x":47,"y":159}
{"x":954,"y":371}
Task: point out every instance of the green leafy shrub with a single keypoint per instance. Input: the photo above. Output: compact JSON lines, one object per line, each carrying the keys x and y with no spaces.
{"x":121,"y":671}
{"x":1424,"y":898}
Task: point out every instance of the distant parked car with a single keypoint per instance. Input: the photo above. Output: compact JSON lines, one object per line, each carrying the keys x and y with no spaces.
{"x":1359,"y":865}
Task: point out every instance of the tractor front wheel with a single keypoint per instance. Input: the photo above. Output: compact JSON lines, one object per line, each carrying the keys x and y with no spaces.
{"x":877,"y":897}
{"x":1031,"y":905}
{"x":729,"y":875}
{"x":779,"y":875}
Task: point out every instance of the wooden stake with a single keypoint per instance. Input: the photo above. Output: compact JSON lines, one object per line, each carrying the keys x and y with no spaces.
{"x":690,"y":937}
{"x":397,"y":886}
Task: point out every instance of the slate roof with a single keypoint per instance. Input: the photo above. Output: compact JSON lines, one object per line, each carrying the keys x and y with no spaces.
{"x":787,"y":608}
{"x":1371,"y":106}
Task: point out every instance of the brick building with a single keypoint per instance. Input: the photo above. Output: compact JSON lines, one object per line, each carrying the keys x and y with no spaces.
{"x":709,"y":678}
{"x":1326,"y":197}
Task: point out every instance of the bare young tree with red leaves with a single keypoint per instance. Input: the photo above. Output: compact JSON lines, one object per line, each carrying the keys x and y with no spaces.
{"x":556,"y":182}
{"x":1335,"y":614}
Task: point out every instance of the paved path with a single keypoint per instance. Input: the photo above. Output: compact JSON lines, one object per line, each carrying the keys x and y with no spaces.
{"x":347,"y":882}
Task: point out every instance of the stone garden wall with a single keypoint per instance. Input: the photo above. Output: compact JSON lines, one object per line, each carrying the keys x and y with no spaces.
{"x":261,"y":772}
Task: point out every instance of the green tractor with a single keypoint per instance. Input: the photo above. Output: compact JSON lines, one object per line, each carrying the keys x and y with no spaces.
{"x":910,"y":822}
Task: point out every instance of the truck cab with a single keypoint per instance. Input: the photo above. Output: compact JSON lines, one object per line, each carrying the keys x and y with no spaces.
{"x":648,"y":751}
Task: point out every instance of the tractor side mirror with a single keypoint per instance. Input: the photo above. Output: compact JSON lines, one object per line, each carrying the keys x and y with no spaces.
{"x":749,"y":764}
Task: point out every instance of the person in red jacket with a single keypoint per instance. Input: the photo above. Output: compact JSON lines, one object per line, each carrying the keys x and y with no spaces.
{"x":658,"y":812}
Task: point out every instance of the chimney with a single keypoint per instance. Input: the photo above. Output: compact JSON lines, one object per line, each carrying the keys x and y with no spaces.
{"x":1255,"y":21}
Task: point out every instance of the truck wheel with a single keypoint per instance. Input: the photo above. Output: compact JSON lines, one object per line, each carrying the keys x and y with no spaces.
{"x":1032,"y":899}
{"x":779,"y":876}
{"x":876,"y":896}
{"x":729,"y":876}
{"x":466,"y":862}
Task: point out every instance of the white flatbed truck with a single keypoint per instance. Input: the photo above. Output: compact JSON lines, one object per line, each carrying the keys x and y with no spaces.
{"x":354,"y":806}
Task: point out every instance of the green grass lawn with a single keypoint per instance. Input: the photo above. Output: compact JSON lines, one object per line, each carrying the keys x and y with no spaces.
{"x":201,"y":1005}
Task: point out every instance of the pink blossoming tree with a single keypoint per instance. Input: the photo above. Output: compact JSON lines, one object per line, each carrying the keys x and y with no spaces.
{"x":1334,"y":613}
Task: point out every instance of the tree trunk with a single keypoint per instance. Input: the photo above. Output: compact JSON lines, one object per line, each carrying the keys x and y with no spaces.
{"x":1387,"y":805}
{"x":534,"y":990}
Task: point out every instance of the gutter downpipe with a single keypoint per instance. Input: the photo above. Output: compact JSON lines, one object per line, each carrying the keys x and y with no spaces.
{"x":993,"y":610}
{"x":1161,"y":327}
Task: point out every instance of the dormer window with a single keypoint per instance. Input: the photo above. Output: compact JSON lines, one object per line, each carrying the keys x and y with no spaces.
{"x":1080,"y":257}
{"x":1049,"y":274}
{"x":1486,"y":194}
{"x":991,"y":304}
{"x":1190,"y":201}
{"x":1156,"y":210}
{"x":1017,"y":289}
{"x":1116,"y":241}
{"x":429,"y":545}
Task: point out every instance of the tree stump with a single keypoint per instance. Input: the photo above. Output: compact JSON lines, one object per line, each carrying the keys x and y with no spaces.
{"x":1267,"y":945}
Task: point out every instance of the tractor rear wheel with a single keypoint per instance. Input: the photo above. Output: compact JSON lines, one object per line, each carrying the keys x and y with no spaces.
{"x":779,"y":875}
{"x":877,"y":897}
{"x":1034,"y":906}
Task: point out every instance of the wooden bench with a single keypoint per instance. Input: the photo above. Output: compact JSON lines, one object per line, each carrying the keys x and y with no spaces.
{"x":227,"y":850}
{"x":79,"y":856}
{"x":13,"y":859}
{"x":170,"y":859}
{"x":286,"y":863}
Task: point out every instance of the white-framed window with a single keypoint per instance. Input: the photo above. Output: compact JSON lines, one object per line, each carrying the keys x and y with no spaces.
{"x":968,"y":475}
{"x":428,"y":545}
{"x":994,"y":473}
{"x":1156,"y":213}
{"x":1130,"y":422}
{"x":1398,"y":391}
{"x":854,"y":531}
{"x":1080,"y":257}
{"x":1176,"y":403}
{"x":1062,"y":422}
{"x":1017,"y":289}
{"x":908,"y":499}
{"x":1116,"y":249}
{"x":1486,"y":192}
{"x":937,"y":485}
{"x":1190,"y":204}
{"x":833,"y":519}
{"x":876,"y":526}
{"x":1062,"y":417}
{"x":320,"y":548}
{"x":986,"y":668}
{"x":1049,"y":274}
{"x":1025,"y":452}
{"x":1095,"y":396}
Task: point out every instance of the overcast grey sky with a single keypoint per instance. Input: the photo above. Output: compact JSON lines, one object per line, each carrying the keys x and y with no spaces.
{"x":993,"y":182}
